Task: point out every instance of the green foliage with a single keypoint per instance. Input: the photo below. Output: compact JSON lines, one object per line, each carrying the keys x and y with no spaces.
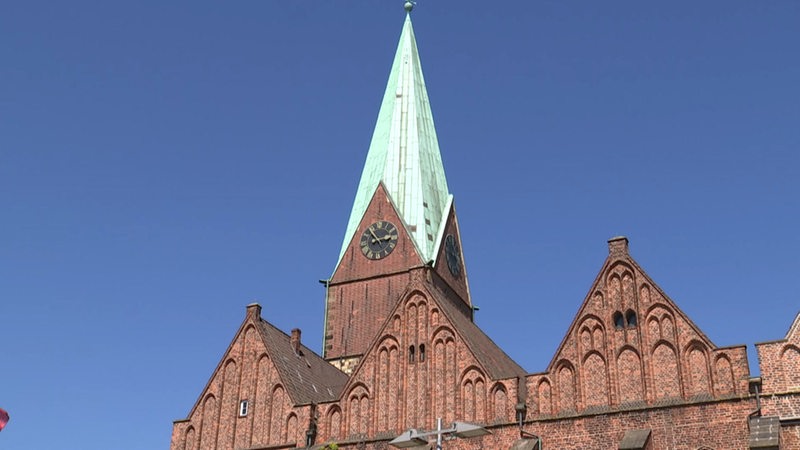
{"x":331,"y":446}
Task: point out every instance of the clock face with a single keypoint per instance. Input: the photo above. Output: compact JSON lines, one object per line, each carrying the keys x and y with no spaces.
{"x":453,"y":255}
{"x":378,"y":240}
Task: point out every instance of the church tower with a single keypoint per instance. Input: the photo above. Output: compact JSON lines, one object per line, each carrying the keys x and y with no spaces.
{"x":402,"y":223}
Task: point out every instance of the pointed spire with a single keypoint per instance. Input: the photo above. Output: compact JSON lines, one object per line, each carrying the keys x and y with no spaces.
{"x":404,"y":153}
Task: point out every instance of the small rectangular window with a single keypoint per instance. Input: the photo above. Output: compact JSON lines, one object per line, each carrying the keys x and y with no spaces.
{"x":243,"y":407}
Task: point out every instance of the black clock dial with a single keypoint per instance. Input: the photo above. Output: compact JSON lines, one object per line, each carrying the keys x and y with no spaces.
{"x":453,"y":255}
{"x":378,"y":240}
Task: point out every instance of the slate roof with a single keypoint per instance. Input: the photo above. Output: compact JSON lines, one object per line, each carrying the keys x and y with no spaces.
{"x":307,"y":377}
{"x":493,"y":359}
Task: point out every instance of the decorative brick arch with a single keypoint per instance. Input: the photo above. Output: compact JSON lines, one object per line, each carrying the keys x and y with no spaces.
{"x":599,"y":300}
{"x":619,"y":268}
{"x":416,"y":317}
{"x":190,"y":439}
{"x":290,"y":431}
{"x":397,"y":323}
{"x":592,"y":330}
{"x":386,"y":389}
{"x":415,"y":337}
{"x":229,"y":401}
{"x":208,"y":425}
{"x":628,"y":289}
{"x":614,"y":289}
{"x":566,"y":387}
{"x":358,"y":411}
{"x":724,"y":384}
{"x":630,"y":380}
{"x":263,"y":400}
{"x":621,"y":285}
{"x":644,"y":294}
{"x":544,"y":394}
{"x":473,"y":394}
{"x":594,"y":380}
{"x":499,"y":403}
{"x":443,"y":367}
{"x":443,"y":333}
{"x":434,"y":317}
{"x":333,"y":422}
{"x":666,"y":370}
{"x":415,"y":297}
{"x":277,"y":414}
{"x":790,"y":360}
{"x":698,"y":373}
{"x":657,"y":313}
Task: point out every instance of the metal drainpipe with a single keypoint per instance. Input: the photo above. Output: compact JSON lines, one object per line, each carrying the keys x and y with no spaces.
{"x":439,"y":433}
{"x":757,"y":412}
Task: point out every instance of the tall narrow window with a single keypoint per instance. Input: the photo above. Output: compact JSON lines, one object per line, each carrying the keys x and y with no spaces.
{"x":244,"y":406}
{"x":411,"y":356}
{"x":421,"y":352}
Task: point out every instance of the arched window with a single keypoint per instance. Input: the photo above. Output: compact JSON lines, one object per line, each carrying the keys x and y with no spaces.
{"x":630,"y":318}
{"x":421,"y":352}
{"x":411,"y":356}
{"x":619,"y":321}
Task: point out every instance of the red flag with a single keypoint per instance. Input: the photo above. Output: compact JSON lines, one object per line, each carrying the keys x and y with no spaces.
{"x":3,"y":418}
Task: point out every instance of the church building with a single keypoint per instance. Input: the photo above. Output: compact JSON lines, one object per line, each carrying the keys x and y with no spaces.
{"x":401,"y":349}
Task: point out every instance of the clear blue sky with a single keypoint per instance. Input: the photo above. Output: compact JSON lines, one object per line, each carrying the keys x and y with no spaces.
{"x":163,"y":164}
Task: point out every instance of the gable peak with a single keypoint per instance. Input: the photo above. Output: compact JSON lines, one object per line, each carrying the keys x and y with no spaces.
{"x":618,"y":246}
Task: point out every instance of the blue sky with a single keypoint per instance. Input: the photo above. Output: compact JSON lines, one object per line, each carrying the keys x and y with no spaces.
{"x":163,"y":164}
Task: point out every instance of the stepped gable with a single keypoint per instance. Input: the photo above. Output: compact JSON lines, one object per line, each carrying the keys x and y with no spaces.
{"x":630,"y":345}
{"x":307,"y":377}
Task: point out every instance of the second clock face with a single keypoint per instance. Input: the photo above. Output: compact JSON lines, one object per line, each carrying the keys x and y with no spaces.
{"x":378,"y":240}
{"x":453,"y":254}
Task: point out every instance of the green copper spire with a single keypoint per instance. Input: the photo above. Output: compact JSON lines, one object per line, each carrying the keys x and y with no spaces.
{"x":404,"y":154}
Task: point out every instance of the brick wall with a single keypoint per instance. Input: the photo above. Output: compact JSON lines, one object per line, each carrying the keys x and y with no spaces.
{"x":245,"y":373}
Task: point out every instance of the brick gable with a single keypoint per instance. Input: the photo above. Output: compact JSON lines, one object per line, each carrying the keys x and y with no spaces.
{"x":631,"y":345}
{"x":280,"y":382}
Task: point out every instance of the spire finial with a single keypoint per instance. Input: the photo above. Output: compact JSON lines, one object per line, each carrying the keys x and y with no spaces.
{"x":409,"y":5}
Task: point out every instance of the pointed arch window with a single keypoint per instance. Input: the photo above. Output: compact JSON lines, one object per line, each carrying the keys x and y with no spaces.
{"x":411,"y":356}
{"x":421,"y":352}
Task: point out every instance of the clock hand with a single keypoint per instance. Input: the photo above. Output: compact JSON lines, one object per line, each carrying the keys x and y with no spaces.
{"x":374,"y":236}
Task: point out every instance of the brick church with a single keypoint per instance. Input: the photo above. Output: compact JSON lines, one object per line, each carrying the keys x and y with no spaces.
{"x":401,"y":348}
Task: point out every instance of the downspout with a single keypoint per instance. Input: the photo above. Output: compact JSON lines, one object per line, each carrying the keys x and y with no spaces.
{"x":755,"y":383}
